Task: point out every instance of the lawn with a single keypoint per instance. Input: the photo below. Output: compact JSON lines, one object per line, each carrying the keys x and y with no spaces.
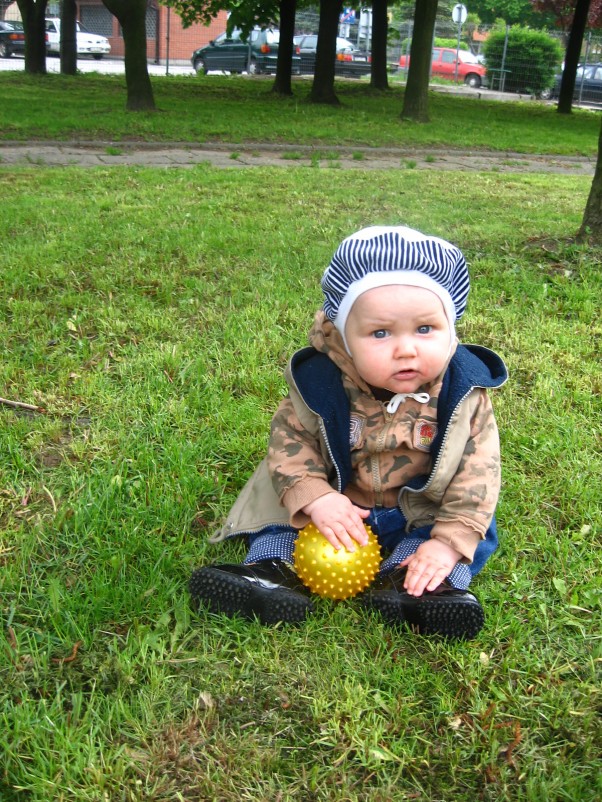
{"x":146,"y":316}
{"x":235,"y":109}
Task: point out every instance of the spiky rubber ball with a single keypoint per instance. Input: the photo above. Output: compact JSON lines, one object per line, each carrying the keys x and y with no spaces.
{"x":335,"y":574}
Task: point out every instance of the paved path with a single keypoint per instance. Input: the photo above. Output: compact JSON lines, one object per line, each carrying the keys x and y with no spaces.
{"x":185,"y":154}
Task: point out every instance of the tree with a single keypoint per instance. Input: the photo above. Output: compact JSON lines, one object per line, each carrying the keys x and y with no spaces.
{"x":322,"y":90}
{"x":513,"y":12}
{"x":561,"y":13}
{"x":591,"y":225}
{"x":33,"y":14}
{"x":415,"y":101}
{"x":571,"y":59}
{"x":132,"y":18}
{"x":282,"y":82}
{"x":380,"y":24}
{"x":68,"y":46}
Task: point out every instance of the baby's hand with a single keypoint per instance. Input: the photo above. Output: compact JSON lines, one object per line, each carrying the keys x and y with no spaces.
{"x":428,"y":566}
{"x":339,"y":520}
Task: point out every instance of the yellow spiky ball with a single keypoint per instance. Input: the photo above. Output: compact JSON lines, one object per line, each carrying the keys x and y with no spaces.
{"x":335,"y":574}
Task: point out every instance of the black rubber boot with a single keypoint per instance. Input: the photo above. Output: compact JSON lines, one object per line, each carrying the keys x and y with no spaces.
{"x":446,"y":611}
{"x":268,"y":590}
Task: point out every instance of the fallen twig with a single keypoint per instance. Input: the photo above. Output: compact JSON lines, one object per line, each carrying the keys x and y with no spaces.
{"x":71,"y":657}
{"x":21,"y":405}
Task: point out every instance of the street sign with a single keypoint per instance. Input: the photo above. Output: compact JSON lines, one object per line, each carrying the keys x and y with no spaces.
{"x":459,"y":13}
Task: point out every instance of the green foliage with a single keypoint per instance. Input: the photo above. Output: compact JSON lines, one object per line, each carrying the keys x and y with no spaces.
{"x":524,"y":47}
{"x":441,"y":42}
{"x":511,"y":12}
{"x":242,"y":14}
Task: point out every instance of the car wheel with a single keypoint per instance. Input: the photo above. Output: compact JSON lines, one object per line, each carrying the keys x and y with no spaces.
{"x":472,"y":79}
{"x":200,"y":66}
{"x":97,"y":56}
{"x":4,"y":50}
{"x":253,"y":68}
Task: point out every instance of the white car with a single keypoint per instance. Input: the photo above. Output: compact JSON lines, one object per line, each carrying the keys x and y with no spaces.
{"x":88,"y":44}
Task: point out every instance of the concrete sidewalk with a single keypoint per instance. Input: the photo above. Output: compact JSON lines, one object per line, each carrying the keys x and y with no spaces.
{"x":232,"y":155}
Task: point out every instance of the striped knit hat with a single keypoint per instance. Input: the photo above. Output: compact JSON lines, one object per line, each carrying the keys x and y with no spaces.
{"x":383,"y":255}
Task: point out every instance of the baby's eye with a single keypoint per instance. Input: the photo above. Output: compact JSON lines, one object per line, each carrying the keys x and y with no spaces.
{"x":379,"y":334}
{"x":424,"y":329}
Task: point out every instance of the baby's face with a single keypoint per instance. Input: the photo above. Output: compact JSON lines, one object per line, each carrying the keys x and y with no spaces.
{"x":398,"y":337}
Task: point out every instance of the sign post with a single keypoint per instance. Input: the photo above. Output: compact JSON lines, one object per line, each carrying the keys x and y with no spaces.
{"x":459,"y":15}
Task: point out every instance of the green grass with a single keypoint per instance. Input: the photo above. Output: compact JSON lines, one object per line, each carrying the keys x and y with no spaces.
{"x":150,"y":313}
{"x":235,"y":109}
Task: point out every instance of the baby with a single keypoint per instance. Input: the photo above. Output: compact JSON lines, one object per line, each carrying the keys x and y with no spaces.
{"x":387,"y":422}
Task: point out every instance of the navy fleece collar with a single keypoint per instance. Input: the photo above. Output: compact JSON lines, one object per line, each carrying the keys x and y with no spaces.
{"x":319,"y":381}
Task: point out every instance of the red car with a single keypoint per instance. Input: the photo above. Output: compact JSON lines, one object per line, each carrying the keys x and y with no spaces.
{"x":469,"y":70}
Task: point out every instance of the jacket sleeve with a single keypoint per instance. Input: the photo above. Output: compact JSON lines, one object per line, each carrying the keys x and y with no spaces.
{"x":297,"y":467}
{"x":470,"y":499}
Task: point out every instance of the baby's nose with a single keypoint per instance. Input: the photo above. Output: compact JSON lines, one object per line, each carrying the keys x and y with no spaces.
{"x":405,"y":346}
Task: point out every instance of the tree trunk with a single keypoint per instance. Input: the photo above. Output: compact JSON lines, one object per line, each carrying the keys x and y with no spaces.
{"x":33,"y":14}
{"x":322,"y":90}
{"x":571,"y":57}
{"x":132,"y":18}
{"x":282,"y":82}
{"x":591,"y":226}
{"x":68,"y":37}
{"x":380,"y":24}
{"x":415,"y":100}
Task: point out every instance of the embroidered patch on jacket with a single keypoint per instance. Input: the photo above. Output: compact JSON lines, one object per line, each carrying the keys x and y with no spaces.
{"x":424,"y":434}
{"x":356,"y":429}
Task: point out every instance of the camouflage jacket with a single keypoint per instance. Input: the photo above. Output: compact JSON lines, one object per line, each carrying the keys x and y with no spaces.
{"x":439,"y":460}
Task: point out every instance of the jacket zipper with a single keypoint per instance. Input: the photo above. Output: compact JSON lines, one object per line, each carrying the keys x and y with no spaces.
{"x":331,"y":455}
{"x":375,"y":460}
{"x":436,"y":465}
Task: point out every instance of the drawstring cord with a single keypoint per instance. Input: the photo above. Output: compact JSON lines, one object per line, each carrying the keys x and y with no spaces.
{"x":398,"y":399}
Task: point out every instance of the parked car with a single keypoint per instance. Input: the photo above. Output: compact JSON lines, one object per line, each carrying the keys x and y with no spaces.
{"x":349,"y":60}
{"x":12,"y":38}
{"x":588,"y":84}
{"x":232,"y":53}
{"x":88,"y":44}
{"x":443,"y":64}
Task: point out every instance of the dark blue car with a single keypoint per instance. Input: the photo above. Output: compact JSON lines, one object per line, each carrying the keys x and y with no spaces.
{"x":229,"y":52}
{"x":12,"y":38}
{"x":588,"y":84}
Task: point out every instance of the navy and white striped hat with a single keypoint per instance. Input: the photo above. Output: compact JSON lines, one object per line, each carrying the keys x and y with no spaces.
{"x":382,"y":255}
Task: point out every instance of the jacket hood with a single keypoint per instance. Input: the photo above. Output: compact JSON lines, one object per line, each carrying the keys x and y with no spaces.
{"x":325,"y":338}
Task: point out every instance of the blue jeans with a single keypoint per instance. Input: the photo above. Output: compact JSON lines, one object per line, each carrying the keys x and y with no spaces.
{"x":388,"y":524}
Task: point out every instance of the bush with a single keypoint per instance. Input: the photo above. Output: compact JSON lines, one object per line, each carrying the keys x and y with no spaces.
{"x":531,"y":59}
{"x":441,"y":42}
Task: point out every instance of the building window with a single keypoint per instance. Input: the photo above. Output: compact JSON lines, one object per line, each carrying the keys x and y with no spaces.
{"x":97,"y":19}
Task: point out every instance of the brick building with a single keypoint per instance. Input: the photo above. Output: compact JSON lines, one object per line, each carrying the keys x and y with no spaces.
{"x":166,"y":38}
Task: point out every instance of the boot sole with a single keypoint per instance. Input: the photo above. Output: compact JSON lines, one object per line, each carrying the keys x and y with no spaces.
{"x":456,"y":618}
{"x":233,"y":595}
